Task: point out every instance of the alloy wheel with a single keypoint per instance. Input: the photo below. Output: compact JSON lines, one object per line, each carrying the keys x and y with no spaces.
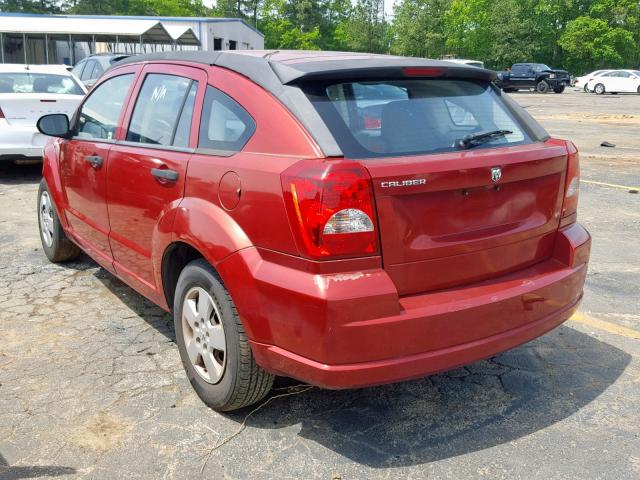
{"x":204,"y":336}
{"x":46,"y":218}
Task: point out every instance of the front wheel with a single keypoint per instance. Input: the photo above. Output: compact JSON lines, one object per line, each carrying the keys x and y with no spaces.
{"x":599,"y":89}
{"x":542,"y":87}
{"x":559,"y":89}
{"x":57,"y":247}
{"x":586,"y":89}
{"x":213,"y":346}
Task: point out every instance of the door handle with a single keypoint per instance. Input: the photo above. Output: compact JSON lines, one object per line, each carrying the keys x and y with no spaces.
{"x":165,"y":174}
{"x":94,"y":160}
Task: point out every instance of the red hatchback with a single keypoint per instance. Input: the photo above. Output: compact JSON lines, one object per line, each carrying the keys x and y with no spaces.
{"x":343,"y":219}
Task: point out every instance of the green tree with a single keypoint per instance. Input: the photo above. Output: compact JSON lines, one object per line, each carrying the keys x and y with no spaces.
{"x":365,"y":30}
{"x":418,"y":28}
{"x":592,"y":43}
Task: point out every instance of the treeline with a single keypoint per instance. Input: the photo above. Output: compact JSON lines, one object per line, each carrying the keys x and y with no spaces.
{"x":579,"y":35}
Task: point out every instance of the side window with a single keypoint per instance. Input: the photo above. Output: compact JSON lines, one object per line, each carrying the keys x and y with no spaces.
{"x":77,"y":70}
{"x":98,"y":117}
{"x":158,"y":109}
{"x":97,"y":71}
{"x":181,"y":138}
{"x":225,"y":125}
{"x":87,"y":73}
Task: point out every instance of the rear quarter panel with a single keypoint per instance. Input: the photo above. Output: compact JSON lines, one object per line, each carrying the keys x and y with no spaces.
{"x":259,"y":218}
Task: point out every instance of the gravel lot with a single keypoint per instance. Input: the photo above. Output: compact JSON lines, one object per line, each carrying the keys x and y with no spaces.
{"x":91,"y":384}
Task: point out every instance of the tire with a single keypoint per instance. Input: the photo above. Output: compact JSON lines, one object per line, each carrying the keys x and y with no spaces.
{"x":508,"y":90}
{"x":638,"y":89}
{"x":599,"y":89}
{"x":559,"y":89}
{"x":227,"y":377}
{"x":542,"y":86}
{"x":585,"y":88}
{"x":57,"y":247}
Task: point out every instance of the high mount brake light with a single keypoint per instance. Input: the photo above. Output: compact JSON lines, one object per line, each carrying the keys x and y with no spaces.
{"x":572,"y":187}
{"x":330,"y":206}
{"x":423,"y":71}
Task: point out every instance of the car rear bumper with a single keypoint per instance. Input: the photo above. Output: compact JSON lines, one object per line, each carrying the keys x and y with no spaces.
{"x":350,"y":330}
{"x":20,"y":142}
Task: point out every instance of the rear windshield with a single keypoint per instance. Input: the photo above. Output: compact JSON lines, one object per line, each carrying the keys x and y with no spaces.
{"x":38,"y":83}
{"x":409,"y":117}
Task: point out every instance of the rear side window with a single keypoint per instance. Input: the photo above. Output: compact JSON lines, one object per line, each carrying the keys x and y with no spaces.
{"x":225,"y":126}
{"x":410,"y":117}
{"x":158,"y":110}
{"x":99,"y":114}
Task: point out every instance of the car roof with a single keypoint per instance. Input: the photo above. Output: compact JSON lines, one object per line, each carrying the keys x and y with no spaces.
{"x":20,"y":67}
{"x":279,"y":72}
{"x":290,"y":66}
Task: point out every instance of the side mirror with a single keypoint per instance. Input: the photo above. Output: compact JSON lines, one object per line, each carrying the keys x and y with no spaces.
{"x":54,"y":125}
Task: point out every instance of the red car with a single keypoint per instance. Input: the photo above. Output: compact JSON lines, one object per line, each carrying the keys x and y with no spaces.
{"x":343,"y":219}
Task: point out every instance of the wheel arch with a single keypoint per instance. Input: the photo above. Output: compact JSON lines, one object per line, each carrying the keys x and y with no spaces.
{"x":200,"y":230}
{"x":51,"y":175}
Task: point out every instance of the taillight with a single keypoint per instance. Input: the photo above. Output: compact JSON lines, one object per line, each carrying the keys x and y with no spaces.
{"x":1,"y":113}
{"x":330,"y":206}
{"x":572,"y":187}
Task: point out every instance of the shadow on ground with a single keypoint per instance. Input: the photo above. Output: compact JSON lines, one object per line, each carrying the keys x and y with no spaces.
{"x":14,"y":473}
{"x":11,"y":174}
{"x":485,"y":404}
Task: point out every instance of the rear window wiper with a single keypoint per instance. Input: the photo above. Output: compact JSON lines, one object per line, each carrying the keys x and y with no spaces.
{"x":475,"y":139}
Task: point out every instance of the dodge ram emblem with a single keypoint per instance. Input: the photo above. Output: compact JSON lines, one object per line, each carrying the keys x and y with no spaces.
{"x":496,"y":174}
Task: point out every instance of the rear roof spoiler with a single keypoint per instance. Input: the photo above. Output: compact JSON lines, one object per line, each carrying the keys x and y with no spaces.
{"x":364,"y":68}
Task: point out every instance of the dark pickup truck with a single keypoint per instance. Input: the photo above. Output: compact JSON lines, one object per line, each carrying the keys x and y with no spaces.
{"x":533,"y":75}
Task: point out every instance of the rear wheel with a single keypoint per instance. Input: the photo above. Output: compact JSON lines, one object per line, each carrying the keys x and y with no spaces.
{"x":57,"y":247}
{"x":213,"y":346}
{"x":586,"y":89}
{"x":542,"y":87}
{"x":599,"y":89}
{"x":508,"y":90}
{"x":559,"y":89}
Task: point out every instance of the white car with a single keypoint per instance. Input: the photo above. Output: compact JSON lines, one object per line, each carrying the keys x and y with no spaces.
{"x":581,"y":82}
{"x":616,"y":81}
{"x":28,"y":92}
{"x":462,"y":61}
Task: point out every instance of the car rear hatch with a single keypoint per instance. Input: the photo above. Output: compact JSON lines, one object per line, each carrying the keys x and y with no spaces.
{"x":448,"y":219}
{"x":467,"y":186}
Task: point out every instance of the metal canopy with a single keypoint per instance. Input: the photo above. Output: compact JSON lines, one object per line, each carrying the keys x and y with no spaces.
{"x":104,"y":30}
{"x":182,"y":35}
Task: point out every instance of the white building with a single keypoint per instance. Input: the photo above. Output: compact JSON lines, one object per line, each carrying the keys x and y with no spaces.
{"x":32,"y":38}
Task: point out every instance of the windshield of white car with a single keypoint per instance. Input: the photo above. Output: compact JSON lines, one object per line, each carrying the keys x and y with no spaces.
{"x":27,"y":82}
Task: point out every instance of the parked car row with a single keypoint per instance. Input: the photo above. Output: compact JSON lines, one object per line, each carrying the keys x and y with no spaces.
{"x":610,"y":81}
